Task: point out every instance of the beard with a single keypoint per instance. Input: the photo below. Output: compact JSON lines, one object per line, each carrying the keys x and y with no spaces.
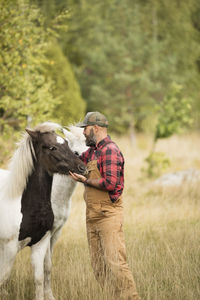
{"x":91,"y":139}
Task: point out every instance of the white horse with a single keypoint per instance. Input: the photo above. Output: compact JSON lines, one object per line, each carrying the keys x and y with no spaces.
{"x":24,"y":163}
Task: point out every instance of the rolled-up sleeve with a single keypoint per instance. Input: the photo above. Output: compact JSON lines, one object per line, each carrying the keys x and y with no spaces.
{"x":111,"y":167}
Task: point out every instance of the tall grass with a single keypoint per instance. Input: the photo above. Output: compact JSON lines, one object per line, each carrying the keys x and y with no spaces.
{"x":162,"y":231}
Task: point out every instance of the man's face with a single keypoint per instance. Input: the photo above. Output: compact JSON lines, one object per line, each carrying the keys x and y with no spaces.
{"x":90,"y":136}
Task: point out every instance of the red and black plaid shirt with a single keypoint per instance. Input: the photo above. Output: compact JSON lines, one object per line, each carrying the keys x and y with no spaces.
{"x":110,"y":163}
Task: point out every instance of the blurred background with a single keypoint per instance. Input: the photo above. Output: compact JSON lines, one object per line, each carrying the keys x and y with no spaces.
{"x":137,"y":62}
{"x":62,"y":58}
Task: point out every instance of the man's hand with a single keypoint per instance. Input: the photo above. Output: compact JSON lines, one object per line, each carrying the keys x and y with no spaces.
{"x":91,"y":182}
{"x":78,"y":177}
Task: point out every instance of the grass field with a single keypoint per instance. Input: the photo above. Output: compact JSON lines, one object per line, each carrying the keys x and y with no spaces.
{"x":162,"y":230}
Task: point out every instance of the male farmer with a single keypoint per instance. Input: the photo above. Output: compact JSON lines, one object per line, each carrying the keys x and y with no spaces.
{"x":104,"y":210}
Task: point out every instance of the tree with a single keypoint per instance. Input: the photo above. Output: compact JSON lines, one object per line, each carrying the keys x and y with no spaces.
{"x":25,"y":91}
{"x":71,"y":106}
{"x":126,"y":55}
{"x":174,"y":114}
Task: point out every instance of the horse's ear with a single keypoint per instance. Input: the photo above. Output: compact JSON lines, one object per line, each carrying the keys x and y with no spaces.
{"x":32,"y":133}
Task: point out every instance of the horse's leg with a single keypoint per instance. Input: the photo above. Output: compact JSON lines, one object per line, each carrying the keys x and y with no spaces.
{"x":22,"y":244}
{"x":8,"y":252}
{"x":54,"y":238}
{"x":47,"y":275}
{"x":47,"y":266}
{"x":38,"y":254}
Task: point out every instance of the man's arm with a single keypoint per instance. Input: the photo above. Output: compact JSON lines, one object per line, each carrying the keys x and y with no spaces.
{"x":91,"y":182}
{"x":112,"y":164}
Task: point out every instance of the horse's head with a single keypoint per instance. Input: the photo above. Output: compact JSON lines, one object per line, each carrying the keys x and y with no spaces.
{"x":76,"y":139}
{"x":54,"y":154}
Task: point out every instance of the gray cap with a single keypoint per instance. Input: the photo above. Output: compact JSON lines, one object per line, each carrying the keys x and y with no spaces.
{"x":94,"y":118}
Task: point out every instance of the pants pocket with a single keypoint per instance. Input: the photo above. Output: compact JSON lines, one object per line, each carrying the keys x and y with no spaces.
{"x":93,"y":210}
{"x":107,"y":210}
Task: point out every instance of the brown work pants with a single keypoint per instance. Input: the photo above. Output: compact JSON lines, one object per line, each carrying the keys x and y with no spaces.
{"x":106,"y":241}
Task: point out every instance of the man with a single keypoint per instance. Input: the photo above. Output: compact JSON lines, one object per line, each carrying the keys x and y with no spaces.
{"x":104,"y":211}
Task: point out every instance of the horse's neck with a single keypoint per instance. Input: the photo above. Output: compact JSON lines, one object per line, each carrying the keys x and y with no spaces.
{"x":38,"y":188}
{"x":62,"y":190}
{"x":37,"y":214}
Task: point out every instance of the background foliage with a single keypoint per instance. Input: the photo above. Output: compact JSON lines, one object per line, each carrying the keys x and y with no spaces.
{"x":24,"y":89}
{"x":121,"y":57}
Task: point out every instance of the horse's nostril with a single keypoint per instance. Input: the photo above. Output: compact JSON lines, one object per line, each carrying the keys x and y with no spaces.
{"x":82,"y":168}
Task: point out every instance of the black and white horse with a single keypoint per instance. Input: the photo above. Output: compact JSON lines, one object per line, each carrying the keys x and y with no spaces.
{"x":26,"y":214}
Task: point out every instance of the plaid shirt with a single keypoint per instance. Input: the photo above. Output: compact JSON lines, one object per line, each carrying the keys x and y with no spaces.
{"x":110,"y":163}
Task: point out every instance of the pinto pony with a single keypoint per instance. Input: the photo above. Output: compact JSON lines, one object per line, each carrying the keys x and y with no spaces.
{"x":26,"y":214}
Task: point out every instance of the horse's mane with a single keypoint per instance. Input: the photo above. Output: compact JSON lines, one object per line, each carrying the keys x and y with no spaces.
{"x":47,"y":127}
{"x":21,"y":164}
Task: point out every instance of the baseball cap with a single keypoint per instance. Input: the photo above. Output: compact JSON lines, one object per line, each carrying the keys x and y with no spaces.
{"x":94,"y":118}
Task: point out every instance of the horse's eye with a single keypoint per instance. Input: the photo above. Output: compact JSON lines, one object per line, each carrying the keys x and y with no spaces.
{"x":52,"y":148}
{"x":76,"y":153}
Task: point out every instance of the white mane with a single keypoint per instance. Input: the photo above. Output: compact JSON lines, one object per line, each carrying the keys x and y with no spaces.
{"x":21,"y":164}
{"x":47,"y":127}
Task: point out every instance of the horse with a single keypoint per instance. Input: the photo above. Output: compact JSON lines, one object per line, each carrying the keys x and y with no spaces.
{"x":62,"y":190}
{"x":26,"y":215}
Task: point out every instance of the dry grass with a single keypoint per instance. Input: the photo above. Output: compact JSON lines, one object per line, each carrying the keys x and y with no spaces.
{"x":161,"y":228}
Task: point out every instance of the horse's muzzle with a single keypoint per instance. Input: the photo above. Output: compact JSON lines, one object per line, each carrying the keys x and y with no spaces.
{"x":83,"y":170}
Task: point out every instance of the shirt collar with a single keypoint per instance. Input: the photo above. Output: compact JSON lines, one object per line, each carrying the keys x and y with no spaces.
{"x":103,"y":142}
